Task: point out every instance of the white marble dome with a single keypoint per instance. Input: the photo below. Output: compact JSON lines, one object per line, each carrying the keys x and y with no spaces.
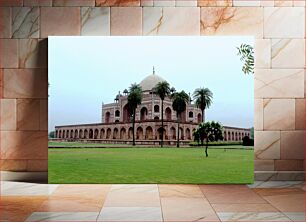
{"x":150,"y":82}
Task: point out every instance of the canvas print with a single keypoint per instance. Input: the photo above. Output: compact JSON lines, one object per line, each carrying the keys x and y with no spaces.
{"x":151,"y":110}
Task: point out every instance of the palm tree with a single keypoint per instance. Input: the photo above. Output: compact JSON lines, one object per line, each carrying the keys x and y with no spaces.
{"x":211,"y":131}
{"x":203,"y":99}
{"x":162,"y":89}
{"x":179,"y":101}
{"x":134,"y":99}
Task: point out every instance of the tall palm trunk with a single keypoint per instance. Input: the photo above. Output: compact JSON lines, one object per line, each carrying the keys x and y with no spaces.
{"x":178,"y":131}
{"x":134,"y":111}
{"x":206,"y":147}
{"x":162,"y":117}
{"x":203,"y":115}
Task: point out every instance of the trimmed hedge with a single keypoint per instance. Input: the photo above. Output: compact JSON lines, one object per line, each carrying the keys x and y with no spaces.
{"x":219,"y":143}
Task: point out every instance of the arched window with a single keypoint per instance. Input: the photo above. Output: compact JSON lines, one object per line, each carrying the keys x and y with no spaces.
{"x":199,"y":118}
{"x":96,"y":134}
{"x":123,"y":133}
{"x":115,"y":133}
{"x":139,"y":133}
{"x":156,"y":108}
{"x":190,"y":114}
{"x":168,"y":113}
{"x":143,"y":113}
{"x":76,"y":134}
{"x":149,"y":133}
{"x":156,"y":118}
{"x":117,"y":113}
{"x":108,"y":133}
{"x":107,"y":117}
{"x":126,"y":114}
{"x":102,"y":134}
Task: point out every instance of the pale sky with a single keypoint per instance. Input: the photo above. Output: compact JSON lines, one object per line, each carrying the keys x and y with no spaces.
{"x":86,"y":71}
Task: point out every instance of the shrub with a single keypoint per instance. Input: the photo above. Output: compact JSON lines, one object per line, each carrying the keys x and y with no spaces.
{"x":246,"y":141}
{"x":219,"y":143}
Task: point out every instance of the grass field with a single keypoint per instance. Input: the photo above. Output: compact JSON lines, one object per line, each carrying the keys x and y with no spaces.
{"x":150,"y":165}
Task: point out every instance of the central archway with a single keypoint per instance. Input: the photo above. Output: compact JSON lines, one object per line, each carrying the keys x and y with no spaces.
{"x":126,"y":113}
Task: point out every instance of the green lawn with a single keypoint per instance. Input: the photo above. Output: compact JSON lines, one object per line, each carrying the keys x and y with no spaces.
{"x":150,"y":165}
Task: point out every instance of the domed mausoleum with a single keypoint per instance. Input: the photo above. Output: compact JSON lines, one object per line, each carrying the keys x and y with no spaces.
{"x":116,"y":126}
{"x":148,"y":83}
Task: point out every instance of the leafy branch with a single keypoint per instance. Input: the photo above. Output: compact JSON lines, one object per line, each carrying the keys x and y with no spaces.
{"x":246,"y":54}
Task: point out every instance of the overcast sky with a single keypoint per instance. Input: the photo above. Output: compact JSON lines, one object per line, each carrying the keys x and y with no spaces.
{"x":86,"y":71}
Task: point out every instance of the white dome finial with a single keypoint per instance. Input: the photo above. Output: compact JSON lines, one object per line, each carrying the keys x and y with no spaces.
{"x":153,"y":70}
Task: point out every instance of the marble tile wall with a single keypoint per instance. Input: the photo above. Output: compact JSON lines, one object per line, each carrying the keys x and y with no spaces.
{"x":280,"y":84}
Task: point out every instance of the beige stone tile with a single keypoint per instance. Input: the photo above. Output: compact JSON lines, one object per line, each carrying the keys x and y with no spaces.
{"x":300,"y":114}
{"x":253,"y":216}
{"x":262,"y":53}
{"x":133,"y":196}
{"x":127,"y":214}
{"x":25,"y":83}
{"x":232,"y":21}
{"x":187,"y":209}
{"x":122,"y":3}
{"x":25,"y":22}
{"x":279,"y":83}
{"x":24,"y":144}
{"x":8,"y":114}
{"x":1,"y":83}
{"x":5,"y":22}
{"x":284,"y":50}
{"x":267,"y":3}
{"x":70,"y":204}
{"x":18,"y":208}
{"x":267,"y":144}
{"x":63,"y":216}
{"x":258,"y":114}
{"x":33,"y":53}
{"x":278,"y":191}
{"x":284,"y":3}
{"x":278,"y":22}
{"x":305,"y":83}
{"x":171,"y":21}
{"x":211,"y":3}
{"x":8,"y":53}
{"x":279,"y":114}
{"x":289,"y":165}
{"x":263,"y":207}
{"x":286,"y":200}
{"x":126,"y":21}
{"x":28,"y":114}
{"x":95,"y":21}
{"x":89,"y":191}
{"x":73,"y":2}
{"x":299,"y":3}
{"x":37,"y":2}
{"x":163,"y":3}
{"x":13,"y":165}
{"x":292,"y":145}
{"x":186,"y":3}
{"x":230,"y":194}
{"x":182,"y":191}
{"x":37,"y":165}
{"x":146,"y":2}
{"x":263,"y":165}
{"x":43,"y":116}
{"x":248,"y":3}
{"x":5,"y":3}
{"x":296,"y":216}
{"x":51,"y":17}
